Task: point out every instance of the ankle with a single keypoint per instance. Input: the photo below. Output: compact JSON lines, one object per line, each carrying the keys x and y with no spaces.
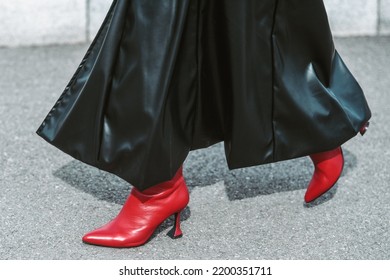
{"x":325,"y":156}
{"x":164,"y":186}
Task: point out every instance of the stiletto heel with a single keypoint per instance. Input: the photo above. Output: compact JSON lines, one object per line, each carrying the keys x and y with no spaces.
{"x":364,"y":128}
{"x":328,"y":167}
{"x":176,"y":232}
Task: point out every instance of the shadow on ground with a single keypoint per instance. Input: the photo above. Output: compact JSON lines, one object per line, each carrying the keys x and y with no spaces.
{"x":202,"y":168}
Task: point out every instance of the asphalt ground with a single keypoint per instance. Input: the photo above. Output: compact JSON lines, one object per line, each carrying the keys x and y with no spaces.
{"x":48,"y":200}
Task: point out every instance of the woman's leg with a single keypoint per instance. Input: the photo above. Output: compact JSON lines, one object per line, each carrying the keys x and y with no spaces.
{"x":142,"y":213}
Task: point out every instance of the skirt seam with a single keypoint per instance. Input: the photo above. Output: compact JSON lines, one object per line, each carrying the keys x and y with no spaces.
{"x":273,"y":79}
{"x":198,"y":71}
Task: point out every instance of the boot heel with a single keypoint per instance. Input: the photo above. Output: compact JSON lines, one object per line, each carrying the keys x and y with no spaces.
{"x":364,"y":129}
{"x":176,"y":232}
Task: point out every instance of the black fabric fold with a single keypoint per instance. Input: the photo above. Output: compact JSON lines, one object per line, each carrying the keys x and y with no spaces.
{"x":166,"y":77}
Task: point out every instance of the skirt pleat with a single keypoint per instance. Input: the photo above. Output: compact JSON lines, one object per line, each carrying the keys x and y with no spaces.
{"x":166,"y":77}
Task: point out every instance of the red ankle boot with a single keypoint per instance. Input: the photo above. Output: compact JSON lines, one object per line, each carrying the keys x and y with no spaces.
{"x":142,"y":213}
{"x":328,"y":168}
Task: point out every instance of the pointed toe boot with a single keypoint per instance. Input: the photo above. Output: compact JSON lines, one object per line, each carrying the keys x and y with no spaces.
{"x":142,"y":213}
{"x":327,"y":170}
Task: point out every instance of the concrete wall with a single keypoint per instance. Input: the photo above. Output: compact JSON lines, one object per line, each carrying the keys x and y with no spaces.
{"x":384,"y":15}
{"x":39,"y":22}
{"x":353,"y":17}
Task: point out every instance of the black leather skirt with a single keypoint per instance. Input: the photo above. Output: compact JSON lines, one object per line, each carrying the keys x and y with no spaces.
{"x":164,"y":77}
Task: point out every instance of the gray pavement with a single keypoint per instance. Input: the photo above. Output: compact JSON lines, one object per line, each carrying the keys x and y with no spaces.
{"x":49,"y":200}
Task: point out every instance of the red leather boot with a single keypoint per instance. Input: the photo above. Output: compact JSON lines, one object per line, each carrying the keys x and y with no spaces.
{"x":328,"y":168}
{"x":142,"y":213}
